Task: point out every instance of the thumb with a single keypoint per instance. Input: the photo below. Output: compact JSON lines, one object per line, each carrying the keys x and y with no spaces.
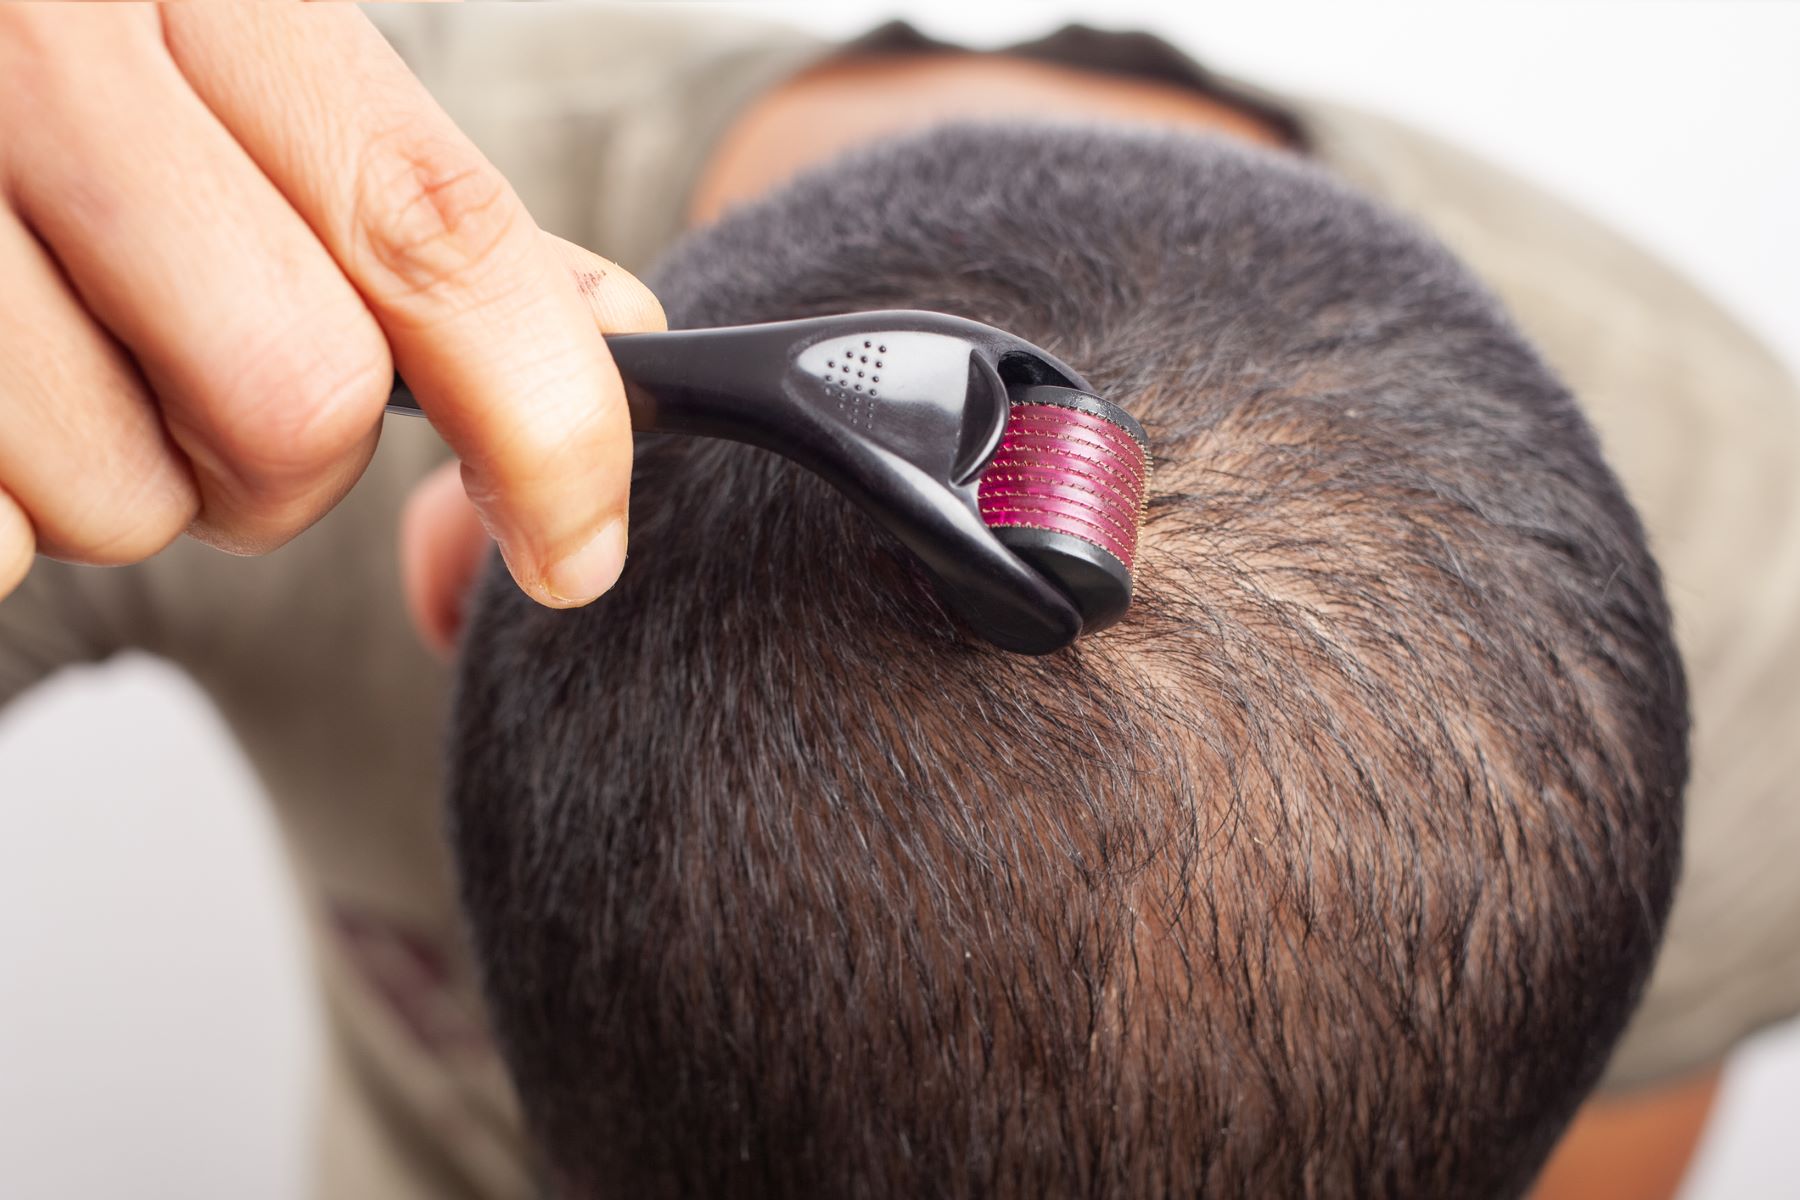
{"x":442,"y":542}
{"x":618,"y":300}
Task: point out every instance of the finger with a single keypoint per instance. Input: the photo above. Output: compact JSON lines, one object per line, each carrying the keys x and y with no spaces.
{"x":17,"y":545}
{"x":500,"y":351}
{"x":81,"y":447}
{"x":442,"y":540}
{"x":270,"y":371}
{"x":616,"y":299}
{"x":442,"y":547}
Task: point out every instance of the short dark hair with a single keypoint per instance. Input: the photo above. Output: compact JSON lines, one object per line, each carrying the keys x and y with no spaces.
{"x":1334,"y":870}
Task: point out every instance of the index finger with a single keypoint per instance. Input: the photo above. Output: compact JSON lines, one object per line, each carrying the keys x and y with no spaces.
{"x":498,"y":347}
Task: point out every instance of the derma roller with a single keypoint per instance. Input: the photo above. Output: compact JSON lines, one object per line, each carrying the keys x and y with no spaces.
{"x":991,"y":460}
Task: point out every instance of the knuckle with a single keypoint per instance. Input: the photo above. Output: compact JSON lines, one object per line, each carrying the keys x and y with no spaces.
{"x":103,"y":491}
{"x":430,"y":215}
{"x":300,"y":402}
{"x":140,"y":513}
{"x":138,"y":534}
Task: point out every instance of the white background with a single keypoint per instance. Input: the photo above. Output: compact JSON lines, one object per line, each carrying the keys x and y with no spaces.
{"x":156,"y":1031}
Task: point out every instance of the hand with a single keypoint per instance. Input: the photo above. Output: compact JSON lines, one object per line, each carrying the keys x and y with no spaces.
{"x":221,"y":229}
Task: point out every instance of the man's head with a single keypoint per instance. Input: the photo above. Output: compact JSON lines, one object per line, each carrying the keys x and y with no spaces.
{"x":1334,"y":869}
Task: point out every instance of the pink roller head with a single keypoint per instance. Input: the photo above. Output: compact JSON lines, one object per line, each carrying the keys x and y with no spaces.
{"x":1065,"y":490}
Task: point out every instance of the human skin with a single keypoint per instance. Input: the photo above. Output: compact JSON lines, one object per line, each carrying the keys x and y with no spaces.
{"x":1630,"y":1148}
{"x":222,"y":227}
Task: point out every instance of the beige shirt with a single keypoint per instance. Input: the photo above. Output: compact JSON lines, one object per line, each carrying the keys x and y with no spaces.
{"x":602,"y":118}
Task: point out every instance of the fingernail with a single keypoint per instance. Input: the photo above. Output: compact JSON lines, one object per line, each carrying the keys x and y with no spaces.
{"x":588,"y":573}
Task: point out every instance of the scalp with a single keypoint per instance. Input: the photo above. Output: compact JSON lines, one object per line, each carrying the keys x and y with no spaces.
{"x":1333,"y":870}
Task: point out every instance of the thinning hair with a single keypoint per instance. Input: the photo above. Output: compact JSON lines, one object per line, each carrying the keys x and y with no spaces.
{"x":1334,"y":870}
